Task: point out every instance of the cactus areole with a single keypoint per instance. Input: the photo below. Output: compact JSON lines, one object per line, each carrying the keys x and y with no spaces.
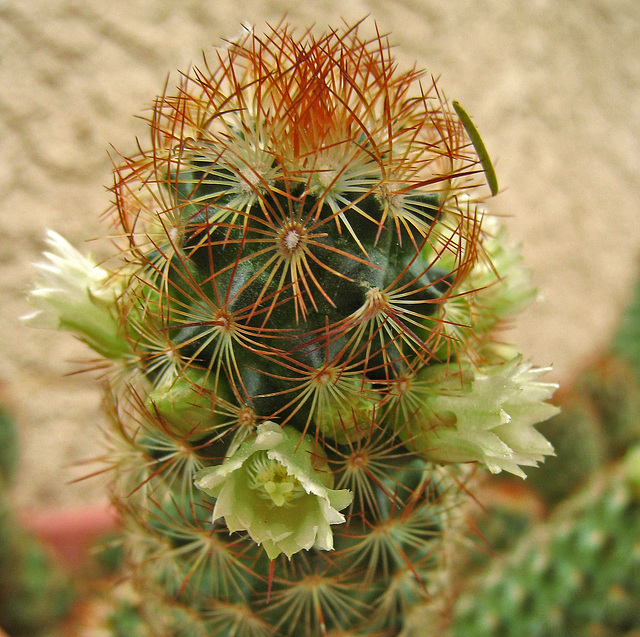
{"x":301,"y":319}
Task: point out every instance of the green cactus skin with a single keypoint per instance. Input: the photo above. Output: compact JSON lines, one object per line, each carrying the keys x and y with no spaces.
{"x":626,"y":341}
{"x":599,"y":422}
{"x":580,"y":444}
{"x":579,"y":574}
{"x":612,"y":386}
{"x":35,"y":592}
{"x":301,"y":324}
{"x":8,"y":446}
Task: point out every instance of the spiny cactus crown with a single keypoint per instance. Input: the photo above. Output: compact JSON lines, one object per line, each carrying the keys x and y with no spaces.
{"x":301,"y":240}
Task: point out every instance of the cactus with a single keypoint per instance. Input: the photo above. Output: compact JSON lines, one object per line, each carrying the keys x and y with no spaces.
{"x":303,"y":321}
{"x":577,"y":575}
{"x":580,"y":445}
{"x":626,"y":340}
{"x":8,"y":446}
{"x":35,"y":592}
{"x":600,"y":418}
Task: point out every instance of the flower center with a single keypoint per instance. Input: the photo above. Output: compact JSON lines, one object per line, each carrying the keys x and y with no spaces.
{"x":175,"y":235}
{"x":376,"y":303}
{"x":246,"y":417}
{"x":391,"y":199}
{"x":271,"y":480}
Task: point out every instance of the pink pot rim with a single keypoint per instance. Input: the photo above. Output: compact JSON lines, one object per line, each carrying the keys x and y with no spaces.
{"x":72,"y":531}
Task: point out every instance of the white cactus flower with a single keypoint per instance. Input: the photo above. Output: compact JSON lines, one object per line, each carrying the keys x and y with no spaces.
{"x":277,"y":488}
{"x":486,"y":416}
{"x":75,"y":294}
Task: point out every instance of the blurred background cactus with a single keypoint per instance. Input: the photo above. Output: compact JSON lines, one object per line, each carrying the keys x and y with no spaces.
{"x":35,"y":591}
{"x":303,"y":324}
{"x":578,"y":574}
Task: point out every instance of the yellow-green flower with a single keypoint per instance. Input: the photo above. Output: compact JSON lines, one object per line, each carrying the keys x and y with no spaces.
{"x":277,"y":487}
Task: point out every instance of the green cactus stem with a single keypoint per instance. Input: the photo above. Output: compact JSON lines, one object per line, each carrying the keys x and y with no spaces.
{"x":303,"y":329}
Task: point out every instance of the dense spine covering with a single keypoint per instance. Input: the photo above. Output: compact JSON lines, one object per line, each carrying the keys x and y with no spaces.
{"x":302,"y":326}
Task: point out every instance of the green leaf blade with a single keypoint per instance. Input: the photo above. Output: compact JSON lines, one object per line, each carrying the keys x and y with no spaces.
{"x":478,"y":144}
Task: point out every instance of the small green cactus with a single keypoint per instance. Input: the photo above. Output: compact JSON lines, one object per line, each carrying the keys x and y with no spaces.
{"x":600,"y":418}
{"x":35,"y":592}
{"x":577,"y":575}
{"x":580,"y":443}
{"x":303,"y":324}
{"x":8,"y":445}
{"x":626,"y":341}
{"x":613,"y":381}
{"x":611,"y":385}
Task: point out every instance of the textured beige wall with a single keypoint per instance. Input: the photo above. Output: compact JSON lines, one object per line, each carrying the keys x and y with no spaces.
{"x":553,"y":86}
